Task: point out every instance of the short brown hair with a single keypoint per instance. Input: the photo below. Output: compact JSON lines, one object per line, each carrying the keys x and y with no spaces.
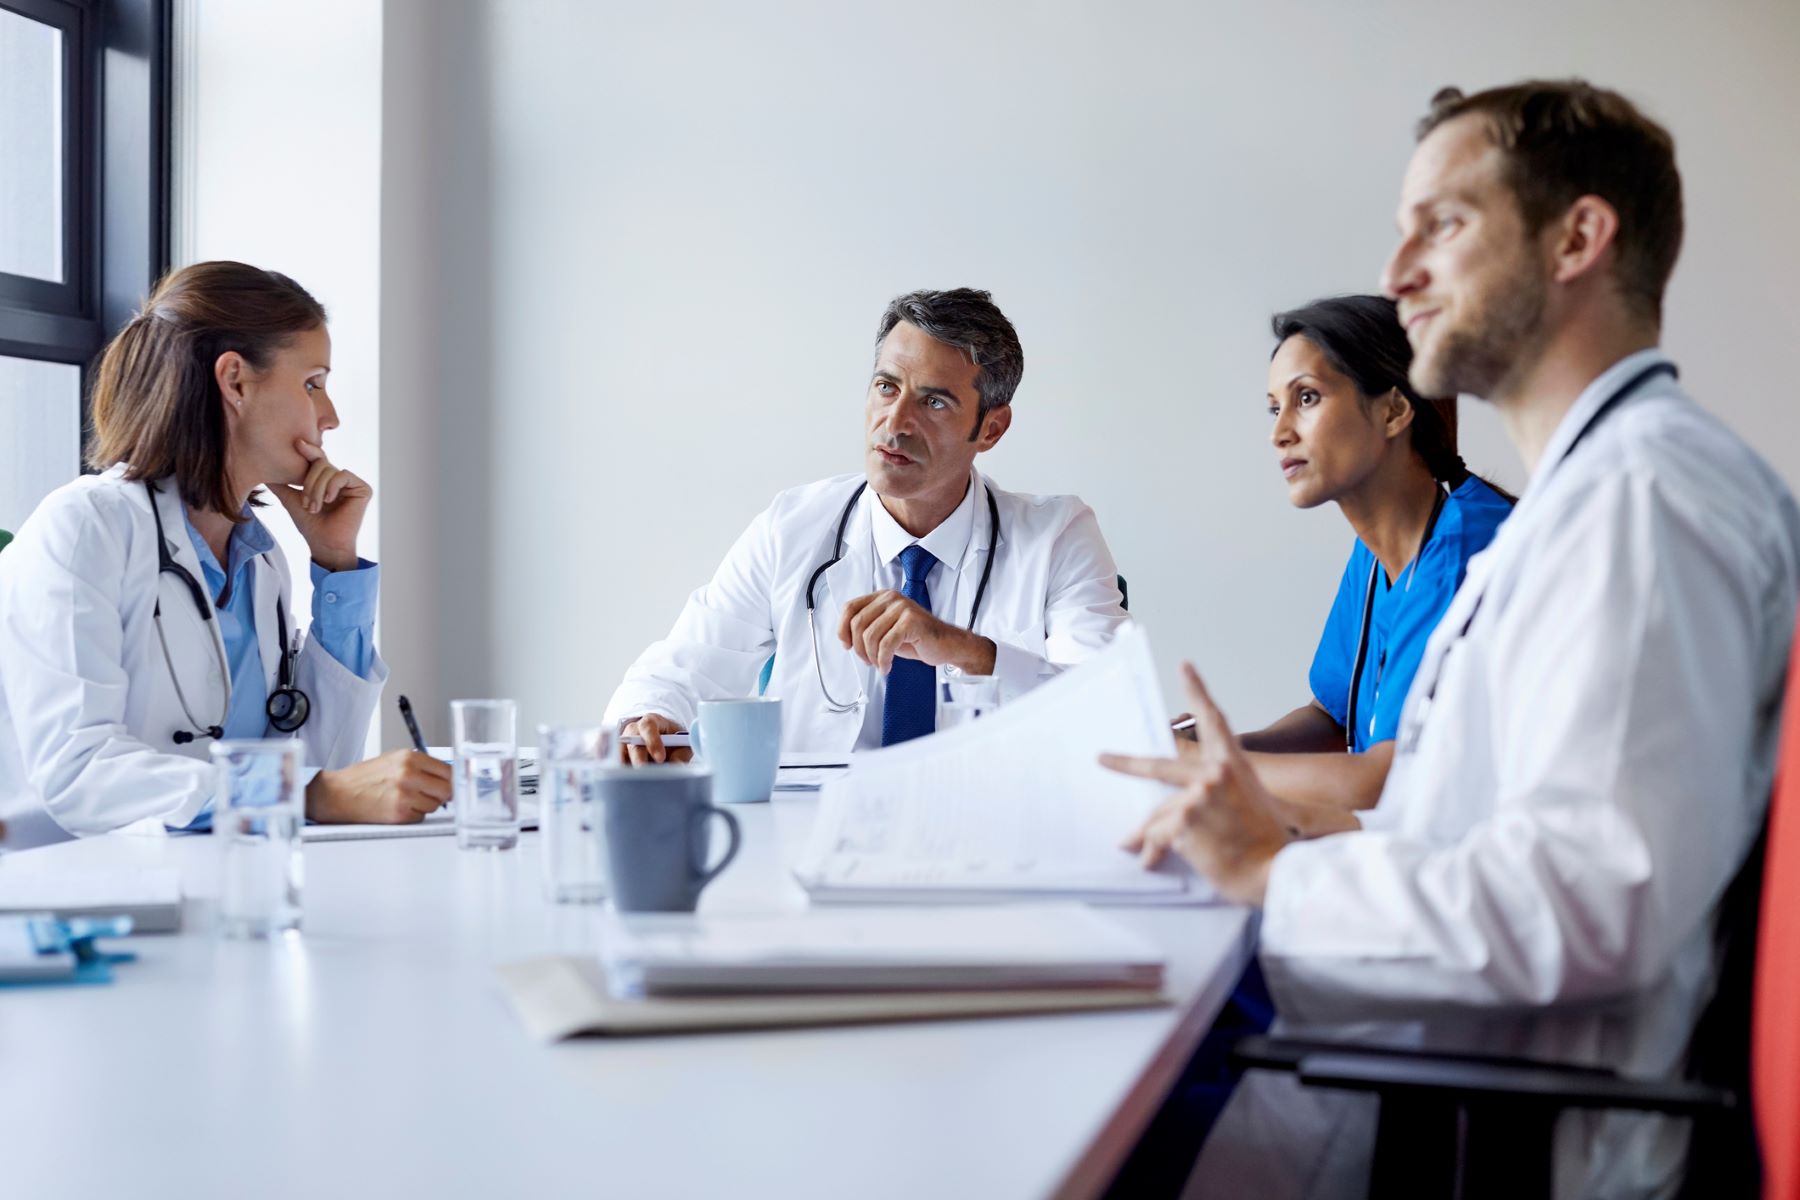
{"x":969,"y":320}
{"x":1564,"y":139}
{"x":155,"y":399}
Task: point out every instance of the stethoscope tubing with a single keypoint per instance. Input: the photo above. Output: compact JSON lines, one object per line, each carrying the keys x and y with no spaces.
{"x":832,"y":704}
{"x":294,"y":704}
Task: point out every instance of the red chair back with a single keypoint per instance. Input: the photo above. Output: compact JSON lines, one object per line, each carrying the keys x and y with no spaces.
{"x":1775,"y":1031}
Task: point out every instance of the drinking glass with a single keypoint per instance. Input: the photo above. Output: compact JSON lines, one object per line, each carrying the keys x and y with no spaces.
{"x":570,"y":828}
{"x":962,"y":698}
{"x":258,"y":809}
{"x":486,"y":792}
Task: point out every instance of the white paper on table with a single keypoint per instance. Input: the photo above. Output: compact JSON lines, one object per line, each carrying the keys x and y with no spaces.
{"x":1016,"y":801}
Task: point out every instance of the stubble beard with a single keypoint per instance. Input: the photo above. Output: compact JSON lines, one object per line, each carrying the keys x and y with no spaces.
{"x":1473,"y":358}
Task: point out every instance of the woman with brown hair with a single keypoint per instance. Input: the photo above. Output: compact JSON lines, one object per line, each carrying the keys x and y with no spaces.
{"x":146,"y":611}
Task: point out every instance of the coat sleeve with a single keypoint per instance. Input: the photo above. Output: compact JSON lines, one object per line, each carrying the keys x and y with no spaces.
{"x":720,"y":641}
{"x":1625,"y":686}
{"x":63,"y":669}
{"x":1082,"y":607}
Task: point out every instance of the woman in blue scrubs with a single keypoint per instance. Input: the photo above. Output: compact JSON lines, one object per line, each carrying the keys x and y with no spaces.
{"x":1350,"y":429}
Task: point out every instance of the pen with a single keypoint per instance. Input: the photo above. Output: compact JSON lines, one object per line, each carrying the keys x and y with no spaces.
{"x":1182,"y":725}
{"x":673,"y":741}
{"x":412,"y":726}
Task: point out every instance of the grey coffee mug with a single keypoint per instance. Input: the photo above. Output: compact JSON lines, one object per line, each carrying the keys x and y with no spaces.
{"x":658,"y":821}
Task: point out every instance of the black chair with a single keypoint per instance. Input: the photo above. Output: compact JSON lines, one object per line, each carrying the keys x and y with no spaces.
{"x":1480,"y":1126}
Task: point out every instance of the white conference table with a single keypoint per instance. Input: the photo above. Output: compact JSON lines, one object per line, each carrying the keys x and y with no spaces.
{"x":376,"y":1055}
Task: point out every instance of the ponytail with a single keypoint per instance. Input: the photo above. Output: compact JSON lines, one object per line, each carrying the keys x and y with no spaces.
{"x":1433,"y":435}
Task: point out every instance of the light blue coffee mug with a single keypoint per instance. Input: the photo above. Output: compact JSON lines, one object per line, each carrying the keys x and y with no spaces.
{"x":741,"y":741}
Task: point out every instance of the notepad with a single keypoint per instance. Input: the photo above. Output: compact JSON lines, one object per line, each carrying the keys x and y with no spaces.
{"x":1027,"y":947}
{"x":441,"y":823}
{"x":809,"y":772}
{"x":1014,"y":805}
{"x":150,"y":896}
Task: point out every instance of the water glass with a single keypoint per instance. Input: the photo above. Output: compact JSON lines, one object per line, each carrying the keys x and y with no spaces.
{"x":486,"y":791}
{"x":258,"y":810}
{"x":962,"y":698}
{"x":570,"y":825}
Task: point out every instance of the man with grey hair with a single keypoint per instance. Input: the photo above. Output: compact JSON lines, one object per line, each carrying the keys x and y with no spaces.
{"x":861,"y":586}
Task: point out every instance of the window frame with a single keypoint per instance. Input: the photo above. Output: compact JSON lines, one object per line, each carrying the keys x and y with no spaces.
{"x":117,"y":67}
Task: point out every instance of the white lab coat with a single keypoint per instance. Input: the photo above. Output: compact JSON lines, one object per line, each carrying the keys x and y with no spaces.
{"x":1052,"y":601}
{"x":87,"y":705}
{"x":1542,"y":874}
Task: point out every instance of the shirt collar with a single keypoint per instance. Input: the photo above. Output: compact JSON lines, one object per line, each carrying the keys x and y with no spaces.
{"x":1582,"y":411}
{"x":247,"y":540}
{"x":946,"y":543}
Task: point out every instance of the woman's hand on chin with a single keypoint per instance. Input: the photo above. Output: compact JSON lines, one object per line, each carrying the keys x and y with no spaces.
{"x":327,"y":507}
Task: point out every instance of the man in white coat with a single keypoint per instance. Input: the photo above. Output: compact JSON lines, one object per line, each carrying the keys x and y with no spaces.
{"x":862,"y":585}
{"x":1587,"y":749}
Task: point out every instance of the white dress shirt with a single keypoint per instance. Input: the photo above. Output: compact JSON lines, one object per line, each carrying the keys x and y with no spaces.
{"x":949,"y":543}
{"x":1052,"y":601}
{"x":1542,"y":874}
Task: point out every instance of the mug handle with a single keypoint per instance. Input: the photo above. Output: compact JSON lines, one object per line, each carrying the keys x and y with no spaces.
{"x":731,"y":823}
{"x":693,"y":730}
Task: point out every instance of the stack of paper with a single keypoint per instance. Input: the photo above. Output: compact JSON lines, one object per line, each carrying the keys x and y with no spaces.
{"x":1014,"y":804}
{"x":876,"y":950}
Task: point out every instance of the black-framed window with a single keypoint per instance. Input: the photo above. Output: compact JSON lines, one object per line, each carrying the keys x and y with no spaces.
{"x":84,"y":215}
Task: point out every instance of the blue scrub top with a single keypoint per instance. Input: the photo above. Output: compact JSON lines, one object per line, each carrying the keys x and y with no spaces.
{"x":1405,"y":614}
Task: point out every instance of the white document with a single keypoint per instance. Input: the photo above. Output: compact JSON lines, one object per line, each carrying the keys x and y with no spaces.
{"x":150,"y":896}
{"x":1014,"y":803}
{"x":1025,"y":946}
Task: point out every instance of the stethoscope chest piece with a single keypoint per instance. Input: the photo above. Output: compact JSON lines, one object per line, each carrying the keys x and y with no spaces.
{"x":287,"y":709}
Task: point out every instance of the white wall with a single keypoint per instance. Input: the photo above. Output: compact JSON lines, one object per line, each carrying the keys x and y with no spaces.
{"x":278,"y":161}
{"x":694,"y":214}
{"x":630,"y":258}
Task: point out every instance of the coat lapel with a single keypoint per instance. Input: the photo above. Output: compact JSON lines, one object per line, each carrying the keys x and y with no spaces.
{"x":185,"y":626}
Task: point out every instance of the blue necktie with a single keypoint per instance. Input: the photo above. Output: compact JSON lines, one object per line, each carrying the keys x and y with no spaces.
{"x":911,"y":707}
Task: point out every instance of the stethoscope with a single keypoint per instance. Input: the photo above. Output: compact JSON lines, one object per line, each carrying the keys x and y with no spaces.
{"x":287,"y":707}
{"x":1419,"y":709}
{"x":1362,"y":639}
{"x":832,"y":704}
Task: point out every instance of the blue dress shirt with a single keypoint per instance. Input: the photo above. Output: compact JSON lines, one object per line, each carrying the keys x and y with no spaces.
{"x":343,"y":622}
{"x":1406,"y":611}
